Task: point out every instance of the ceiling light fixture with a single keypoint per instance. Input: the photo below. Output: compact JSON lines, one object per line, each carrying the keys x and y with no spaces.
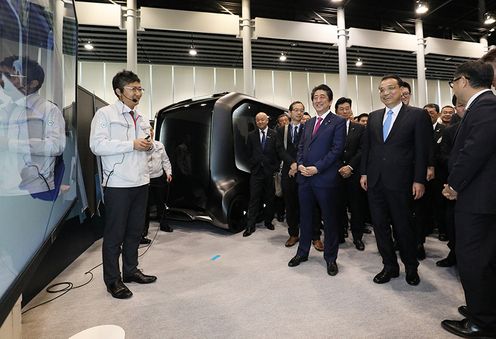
{"x":88,"y":46}
{"x":359,"y":63}
{"x":336,"y":1}
{"x":192,"y":51}
{"x":283,"y":57}
{"x":489,"y":18}
{"x":421,"y":7}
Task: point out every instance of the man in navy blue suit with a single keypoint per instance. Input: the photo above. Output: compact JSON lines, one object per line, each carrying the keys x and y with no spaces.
{"x":319,"y":152}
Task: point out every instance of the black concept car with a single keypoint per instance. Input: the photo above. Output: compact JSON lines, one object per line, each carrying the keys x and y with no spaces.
{"x":205,"y":140}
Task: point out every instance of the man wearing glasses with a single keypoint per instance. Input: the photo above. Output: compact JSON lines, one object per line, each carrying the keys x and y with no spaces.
{"x":121,"y":137}
{"x":406,"y":92}
{"x":471,"y":183}
{"x":393,"y":167}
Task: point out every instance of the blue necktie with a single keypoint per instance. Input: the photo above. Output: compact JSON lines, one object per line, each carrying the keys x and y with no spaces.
{"x":295,"y":134}
{"x":263,"y":140}
{"x":387,"y":124}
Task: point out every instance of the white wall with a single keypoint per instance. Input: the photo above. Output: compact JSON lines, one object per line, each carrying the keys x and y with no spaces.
{"x":167,"y":84}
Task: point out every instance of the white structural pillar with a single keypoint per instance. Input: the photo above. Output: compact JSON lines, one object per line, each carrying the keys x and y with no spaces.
{"x":422,"y":88}
{"x":343,"y":64}
{"x":246,"y":36}
{"x":485,"y":45}
{"x":132,"y":36}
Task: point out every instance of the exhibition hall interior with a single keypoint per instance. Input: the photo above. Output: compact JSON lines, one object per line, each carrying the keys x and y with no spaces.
{"x":212,"y":169}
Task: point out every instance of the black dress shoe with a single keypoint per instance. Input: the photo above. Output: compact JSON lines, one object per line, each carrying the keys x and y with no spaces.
{"x":467,"y":329}
{"x":166,"y":228}
{"x":140,"y":278}
{"x":359,"y":244}
{"x":270,"y":226}
{"x":463,"y":310}
{"x":412,"y":277}
{"x":442,"y":237}
{"x":345,"y":234}
{"x":119,"y":290}
{"x":280,"y":217}
{"x":420,"y":252}
{"x":367,"y":231}
{"x":446,"y":262}
{"x":145,"y":241}
{"x":385,"y":275}
{"x":296,"y":260}
{"x":249,"y":231}
{"x":332,"y":268}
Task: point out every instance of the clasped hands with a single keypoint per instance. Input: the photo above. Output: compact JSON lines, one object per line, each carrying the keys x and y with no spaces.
{"x":449,"y":193}
{"x":308,"y":171}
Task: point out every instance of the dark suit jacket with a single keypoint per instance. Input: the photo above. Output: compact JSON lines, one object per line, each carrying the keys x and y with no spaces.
{"x":323,"y":151}
{"x":434,"y":154}
{"x":262,"y":162}
{"x":288,"y":155}
{"x":402,"y":158}
{"x":472,"y":164}
{"x":352,"y":153}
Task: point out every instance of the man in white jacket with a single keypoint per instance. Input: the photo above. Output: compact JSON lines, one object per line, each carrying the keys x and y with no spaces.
{"x":120,"y":136}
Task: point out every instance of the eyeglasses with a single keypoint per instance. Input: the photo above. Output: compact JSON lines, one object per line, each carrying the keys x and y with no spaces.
{"x":405,"y":94}
{"x":135,"y":89}
{"x":452,"y":82}
{"x":10,"y":75}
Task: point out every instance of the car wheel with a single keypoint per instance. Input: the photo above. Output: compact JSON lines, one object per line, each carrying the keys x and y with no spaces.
{"x":237,"y":214}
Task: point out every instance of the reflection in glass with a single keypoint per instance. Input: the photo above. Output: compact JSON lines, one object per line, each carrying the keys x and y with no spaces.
{"x":38,"y":43}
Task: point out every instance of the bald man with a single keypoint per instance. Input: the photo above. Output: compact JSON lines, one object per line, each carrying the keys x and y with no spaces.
{"x":262,"y":152}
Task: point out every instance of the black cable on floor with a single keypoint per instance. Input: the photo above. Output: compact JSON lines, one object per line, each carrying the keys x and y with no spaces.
{"x":67,"y":285}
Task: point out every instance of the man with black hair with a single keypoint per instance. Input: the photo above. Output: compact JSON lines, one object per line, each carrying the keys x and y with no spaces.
{"x":393,"y":168}
{"x":351,"y":193}
{"x":471,"y":183}
{"x":121,"y":137}
{"x":319,"y":151}
{"x":446,"y":114}
{"x":35,"y":132}
{"x":362,"y":119}
{"x":406,"y":92}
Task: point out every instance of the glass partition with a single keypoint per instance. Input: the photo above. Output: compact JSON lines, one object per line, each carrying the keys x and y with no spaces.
{"x":38,"y":45}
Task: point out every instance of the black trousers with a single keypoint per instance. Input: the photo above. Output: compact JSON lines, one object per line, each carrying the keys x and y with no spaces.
{"x":124,"y":217}
{"x":450,"y":228}
{"x":393,"y":207}
{"x":476,"y":258}
{"x":158,"y":193}
{"x":352,"y":197}
{"x":290,"y":195}
{"x":261,"y":190}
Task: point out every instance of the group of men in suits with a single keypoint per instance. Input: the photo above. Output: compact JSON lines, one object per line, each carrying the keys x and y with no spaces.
{"x":396,"y":153}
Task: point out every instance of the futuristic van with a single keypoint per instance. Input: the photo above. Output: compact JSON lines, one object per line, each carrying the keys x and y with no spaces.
{"x":205,"y":140}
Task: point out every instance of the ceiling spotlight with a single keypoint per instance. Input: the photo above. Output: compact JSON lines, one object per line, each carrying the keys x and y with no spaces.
{"x":359,"y":63}
{"x":489,"y":18}
{"x":88,"y":46}
{"x":283,"y":57}
{"x":421,"y":7}
{"x":336,"y":1}
{"x":192,"y":51}
{"x":491,"y":30}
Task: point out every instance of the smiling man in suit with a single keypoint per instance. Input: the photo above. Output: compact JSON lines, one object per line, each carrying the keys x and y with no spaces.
{"x":262,"y":152}
{"x":471,"y":183}
{"x":319,"y":151}
{"x":352,"y":194}
{"x":393,"y":167}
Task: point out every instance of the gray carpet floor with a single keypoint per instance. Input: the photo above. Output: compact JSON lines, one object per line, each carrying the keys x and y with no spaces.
{"x":213,"y":284}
